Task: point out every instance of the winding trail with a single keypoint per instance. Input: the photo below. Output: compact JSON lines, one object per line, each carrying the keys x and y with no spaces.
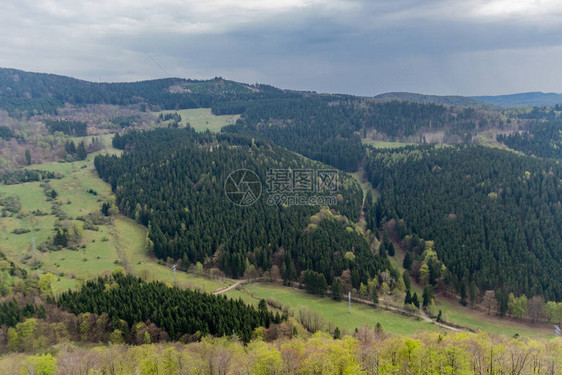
{"x":223,"y":290}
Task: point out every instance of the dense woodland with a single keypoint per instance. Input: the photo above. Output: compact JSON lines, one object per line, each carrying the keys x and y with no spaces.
{"x":73,"y":128}
{"x":6,"y":133}
{"x":329,"y":128}
{"x":494,"y":216}
{"x":542,"y":139}
{"x":309,"y":126}
{"x":20,"y":176}
{"x":176,"y":311}
{"x":367,"y":351}
{"x":173,"y":182}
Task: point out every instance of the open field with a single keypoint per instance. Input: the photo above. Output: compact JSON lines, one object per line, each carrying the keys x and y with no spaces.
{"x":465,"y":316}
{"x":202,"y":119}
{"x":384,"y":144}
{"x":120,"y":243}
{"x":129,"y":238}
{"x":337,"y":312}
{"x":238,"y":294}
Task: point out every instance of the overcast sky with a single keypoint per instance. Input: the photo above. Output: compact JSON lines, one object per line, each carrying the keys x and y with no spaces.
{"x":465,"y":47}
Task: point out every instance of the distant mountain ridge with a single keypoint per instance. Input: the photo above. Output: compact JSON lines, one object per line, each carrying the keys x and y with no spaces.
{"x":455,"y":100}
{"x":536,"y":98}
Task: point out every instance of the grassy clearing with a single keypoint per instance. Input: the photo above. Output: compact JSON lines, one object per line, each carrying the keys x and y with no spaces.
{"x":119,"y":243}
{"x":384,"y":144}
{"x":365,"y":185}
{"x":130,"y":238}
{"x":456,"y":313}
{"x":337,"y":312}
{"x":202,"y":119}
{"x":238,"y":294}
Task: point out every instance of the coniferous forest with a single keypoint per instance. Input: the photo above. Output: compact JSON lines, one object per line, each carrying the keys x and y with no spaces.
{"x":178,"y":312}
{"x":494,"y":215}
{"x":330,"y":128}
{"x":542,"y":139}
{"x":172,"y":181}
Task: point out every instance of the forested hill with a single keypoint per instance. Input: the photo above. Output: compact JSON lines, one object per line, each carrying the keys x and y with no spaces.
{"x":494,"y":215}
{"x":454,"y":100}
{"x":323,"y":127}
{"x":329,"y":129}
{"x":173,"y":181}
{"x":522,"y":99}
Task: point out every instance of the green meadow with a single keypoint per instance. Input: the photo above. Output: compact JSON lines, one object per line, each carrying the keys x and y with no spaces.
{"x":337,"y":312}
{"x":122,"y":242}
{"x":202,"y":119}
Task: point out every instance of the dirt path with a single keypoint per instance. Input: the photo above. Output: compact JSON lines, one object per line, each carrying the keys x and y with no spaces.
{"x":361,"y":170}
{"x":116,"y":240}
{"x":429,"y":320}
{"x":223,"y":290}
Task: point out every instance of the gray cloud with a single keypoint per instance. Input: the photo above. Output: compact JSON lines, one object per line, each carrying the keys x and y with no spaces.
{"x":452,"y":47}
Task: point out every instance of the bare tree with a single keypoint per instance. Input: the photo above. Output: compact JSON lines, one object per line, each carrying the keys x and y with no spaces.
{"x":535,"y":308}
{"x":490,"y":301}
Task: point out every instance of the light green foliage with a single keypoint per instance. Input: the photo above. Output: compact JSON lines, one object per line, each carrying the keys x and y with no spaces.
{"x":6,"y":282}
{"x":44,"y":364}
{"x":45,"y":282}
{"x":327,"y":356}
{"x":28,"y":334}
{"x":424,"y":274}
{"x":363,"y":291}
{"x":366,"y":352}
{"x":517,"y":305}
{"x":349,"y":255}
{"x":116,"y":337}
{"x":199,"y":269}
{"x":385,"y":288}
{"x":13,"y":339}
{"x":265,"y":360}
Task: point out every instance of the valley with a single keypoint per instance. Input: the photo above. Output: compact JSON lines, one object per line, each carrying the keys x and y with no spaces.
{"x":444,"y":229}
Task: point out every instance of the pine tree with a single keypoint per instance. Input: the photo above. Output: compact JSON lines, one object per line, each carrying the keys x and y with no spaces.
{"x":27,"y":157}
{"x":337,"y":290}
{"x":406,"y":278}
{"x":427,"y":295}
{"x":415,"y":300}
{"x":81,"y":153}
{"x":337,"y":334}
{"x":408,"y":299}
{"x":408,"y":259}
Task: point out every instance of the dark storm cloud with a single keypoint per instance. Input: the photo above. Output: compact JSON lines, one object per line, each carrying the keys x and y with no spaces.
{"x":461,"y":47}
